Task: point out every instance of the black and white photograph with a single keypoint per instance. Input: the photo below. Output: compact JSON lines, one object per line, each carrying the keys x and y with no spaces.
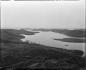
{"x":42,"y":35}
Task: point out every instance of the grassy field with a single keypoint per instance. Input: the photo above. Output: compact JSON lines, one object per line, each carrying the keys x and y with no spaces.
{"x":17,"y":54}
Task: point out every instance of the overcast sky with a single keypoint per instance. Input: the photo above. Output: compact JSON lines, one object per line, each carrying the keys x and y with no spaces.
{"x":39,"y":14}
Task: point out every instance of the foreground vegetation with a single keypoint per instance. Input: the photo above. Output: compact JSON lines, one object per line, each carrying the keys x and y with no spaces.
{"x":16,"y":54}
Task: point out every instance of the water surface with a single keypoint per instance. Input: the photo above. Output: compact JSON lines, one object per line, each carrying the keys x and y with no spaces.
{"x":47,"y":38}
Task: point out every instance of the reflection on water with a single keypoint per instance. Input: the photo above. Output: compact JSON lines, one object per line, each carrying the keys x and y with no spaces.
{"x":47,"y":38}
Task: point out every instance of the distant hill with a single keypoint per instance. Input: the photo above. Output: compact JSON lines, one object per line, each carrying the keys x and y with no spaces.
{"x":72,"y":33}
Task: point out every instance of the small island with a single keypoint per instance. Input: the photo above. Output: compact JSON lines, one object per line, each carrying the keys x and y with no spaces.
{"x":72,"y":40}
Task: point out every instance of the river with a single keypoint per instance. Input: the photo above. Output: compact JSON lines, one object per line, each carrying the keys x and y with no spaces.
{"x":47,"y":38}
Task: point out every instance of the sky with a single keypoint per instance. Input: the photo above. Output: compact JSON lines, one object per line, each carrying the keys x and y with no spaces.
{"x":43,"y":14}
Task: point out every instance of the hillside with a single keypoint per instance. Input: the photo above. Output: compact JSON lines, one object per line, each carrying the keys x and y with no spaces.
{"x":17,"y":54}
